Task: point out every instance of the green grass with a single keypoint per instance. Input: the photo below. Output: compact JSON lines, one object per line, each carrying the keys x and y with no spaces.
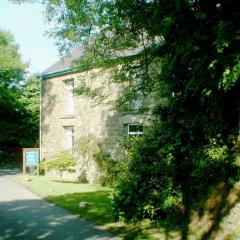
{"x":99,"y":209}
{"x":68,"y":195}
{"x":44,"y":186}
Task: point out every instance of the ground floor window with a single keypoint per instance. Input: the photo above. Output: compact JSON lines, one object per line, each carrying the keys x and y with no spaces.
{"x":133,"y":129}
{"x":69,"y":137}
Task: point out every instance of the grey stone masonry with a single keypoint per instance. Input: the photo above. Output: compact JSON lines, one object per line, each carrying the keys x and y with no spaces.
{"x":88,"y":118}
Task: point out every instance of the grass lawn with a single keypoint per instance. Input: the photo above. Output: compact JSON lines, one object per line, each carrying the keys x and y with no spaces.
{"x":68,"y":195}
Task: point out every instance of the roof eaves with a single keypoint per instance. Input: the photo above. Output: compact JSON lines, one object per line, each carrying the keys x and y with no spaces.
{"x":58,"y":73}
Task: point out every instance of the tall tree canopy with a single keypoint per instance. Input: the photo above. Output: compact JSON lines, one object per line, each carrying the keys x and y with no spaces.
{"x":12,"y":70}
{"x":30,"y":99}
{"x":19,"y":101}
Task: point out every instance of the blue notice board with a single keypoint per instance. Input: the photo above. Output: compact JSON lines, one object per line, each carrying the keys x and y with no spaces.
{"x":31,"y":158}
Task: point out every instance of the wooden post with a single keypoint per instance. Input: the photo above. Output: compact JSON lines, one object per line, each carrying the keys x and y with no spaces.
{"x":24,"y":163}
{"x":38,"y":165}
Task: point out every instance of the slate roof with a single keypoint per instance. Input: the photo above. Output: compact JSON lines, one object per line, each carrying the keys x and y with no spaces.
{"x":65,"y":63}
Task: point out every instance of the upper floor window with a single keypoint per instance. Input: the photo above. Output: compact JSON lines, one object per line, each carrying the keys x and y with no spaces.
{"x":70,"y":97}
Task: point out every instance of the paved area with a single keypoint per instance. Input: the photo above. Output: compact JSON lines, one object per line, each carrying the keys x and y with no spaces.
{"x":24,"y":215}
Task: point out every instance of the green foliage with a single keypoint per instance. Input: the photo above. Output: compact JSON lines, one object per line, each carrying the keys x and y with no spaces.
{"x":62,"y":162}
{"x":12,"y":112}
{"x":30,"y":96}
{"x":90,"y":150}
{"x":87,"y":145}
{"x":19,"y":102}
{"x":112,"y":170}
{"x":30,"y":99}
{"x":8,"y":160}
{"x":12,"y":68}
{"x":147,"y":190}
{"x":94,"y":94}
{"x":165,"y":177}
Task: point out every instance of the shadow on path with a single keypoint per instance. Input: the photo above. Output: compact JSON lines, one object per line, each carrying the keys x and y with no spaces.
{"x":5,"y":171}
{"x":24,"y":215}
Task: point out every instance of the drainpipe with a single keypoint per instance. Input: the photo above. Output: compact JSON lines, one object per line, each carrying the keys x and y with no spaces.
{"x":40,"y":118}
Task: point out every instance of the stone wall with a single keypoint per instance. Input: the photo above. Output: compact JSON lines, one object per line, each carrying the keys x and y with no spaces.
{"x":90,"y":118}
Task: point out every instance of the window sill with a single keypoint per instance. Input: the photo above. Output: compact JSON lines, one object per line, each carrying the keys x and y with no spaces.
{"x":68,"y":117}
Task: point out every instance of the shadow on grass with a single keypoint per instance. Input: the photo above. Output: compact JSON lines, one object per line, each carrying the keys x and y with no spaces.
{"x":99,"y":209}
{"x":100,"y":212}
{"x":203,"y":223}
{"x":67,"y":181}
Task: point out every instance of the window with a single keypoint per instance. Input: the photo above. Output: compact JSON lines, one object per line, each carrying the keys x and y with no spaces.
{"x":134,"y":129}
{"x":70,"y":97}
{"x":69,"y":139}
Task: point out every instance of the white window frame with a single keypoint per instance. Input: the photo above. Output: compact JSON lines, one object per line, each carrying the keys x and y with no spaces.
{"x":134,"y":133}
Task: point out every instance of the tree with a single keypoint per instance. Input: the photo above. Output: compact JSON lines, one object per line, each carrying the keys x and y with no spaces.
{"x":19,"y":99}
{"x":12,"y":68}
{"x":30,"y":98}
{"x":12,"y":111}
{"x":62,"y":162}
{"x":11,"y":118}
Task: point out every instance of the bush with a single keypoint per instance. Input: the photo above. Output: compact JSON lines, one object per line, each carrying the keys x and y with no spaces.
{"x":172,"y":167}
{"x":147,"y":190}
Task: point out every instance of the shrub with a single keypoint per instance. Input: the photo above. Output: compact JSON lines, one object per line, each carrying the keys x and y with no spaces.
{"x":62,"y":162}
{"x":170,"y":172}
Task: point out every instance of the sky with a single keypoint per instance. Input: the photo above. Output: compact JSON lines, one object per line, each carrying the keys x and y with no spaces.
{"x":26,"y":23}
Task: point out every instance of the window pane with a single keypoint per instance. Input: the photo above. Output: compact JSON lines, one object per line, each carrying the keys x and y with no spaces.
{"x":70,"y":97}
{"x":69,"y":137}
{"x":135,"y":128}
{"x":140,"y":128}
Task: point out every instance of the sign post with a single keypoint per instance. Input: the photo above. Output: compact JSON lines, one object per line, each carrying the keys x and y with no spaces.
{"x":30,"y":159}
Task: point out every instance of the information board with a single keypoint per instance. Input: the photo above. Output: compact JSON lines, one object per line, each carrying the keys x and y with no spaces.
{"x":30,"y":159}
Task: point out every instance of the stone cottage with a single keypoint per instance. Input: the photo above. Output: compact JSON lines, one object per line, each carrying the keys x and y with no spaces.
{"x":67,"y":117}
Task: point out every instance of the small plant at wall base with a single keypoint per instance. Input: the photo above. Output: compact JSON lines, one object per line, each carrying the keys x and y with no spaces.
{"x":62,"y":162}
{"x":110,"y":169}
